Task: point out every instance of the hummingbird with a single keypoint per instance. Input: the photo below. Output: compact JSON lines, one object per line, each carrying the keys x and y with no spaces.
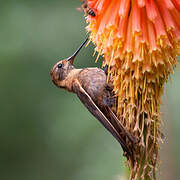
{"x":92,"y":88}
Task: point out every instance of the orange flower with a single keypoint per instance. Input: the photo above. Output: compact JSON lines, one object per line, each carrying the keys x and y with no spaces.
{"x":140,"y":42}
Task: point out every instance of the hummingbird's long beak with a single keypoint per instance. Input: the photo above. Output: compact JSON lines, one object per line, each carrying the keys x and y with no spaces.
{"x":71,"y":58}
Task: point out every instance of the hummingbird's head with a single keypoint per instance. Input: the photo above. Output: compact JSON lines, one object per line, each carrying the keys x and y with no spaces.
{"x":61,"y":69}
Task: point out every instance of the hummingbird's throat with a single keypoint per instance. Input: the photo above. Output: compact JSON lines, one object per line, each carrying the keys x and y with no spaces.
{"x":68,"y":82}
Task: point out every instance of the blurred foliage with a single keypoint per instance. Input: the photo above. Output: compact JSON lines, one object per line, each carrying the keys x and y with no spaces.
{"x":45,"y":132}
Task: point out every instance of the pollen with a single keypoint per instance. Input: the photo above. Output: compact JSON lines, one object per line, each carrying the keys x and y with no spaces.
{"x":140,"y":42}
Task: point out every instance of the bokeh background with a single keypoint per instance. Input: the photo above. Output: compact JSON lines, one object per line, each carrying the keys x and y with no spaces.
{"x":45,"y":132}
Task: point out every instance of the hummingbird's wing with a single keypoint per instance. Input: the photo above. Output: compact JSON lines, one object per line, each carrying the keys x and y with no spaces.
{"x":108,"y":99}
{"x":120,"y":127}
{"x":94,"y":109}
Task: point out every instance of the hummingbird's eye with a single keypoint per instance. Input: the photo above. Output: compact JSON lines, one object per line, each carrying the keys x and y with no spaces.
{"x":60,"y":66}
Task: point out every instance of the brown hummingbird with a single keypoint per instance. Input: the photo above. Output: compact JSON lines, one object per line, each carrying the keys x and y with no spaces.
{"x":90,"y":85}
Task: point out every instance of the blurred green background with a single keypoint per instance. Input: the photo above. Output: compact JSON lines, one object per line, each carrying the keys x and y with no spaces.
{"x":45,"y":132}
